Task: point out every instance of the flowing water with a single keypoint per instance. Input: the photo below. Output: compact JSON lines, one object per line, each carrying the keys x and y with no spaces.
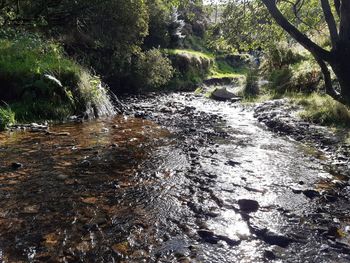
{"x":188,"y":180}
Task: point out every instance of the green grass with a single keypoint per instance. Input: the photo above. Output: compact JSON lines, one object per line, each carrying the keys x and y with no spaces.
{"x":190,"y":52}
{"x":317,"y":108}
{"x":29,"y":57}
{"x":322,"y":109}
{"x":41,"y":110}
{"x":219,"y":68}
{"x":222,"y":69}
{"x":25,"y":59}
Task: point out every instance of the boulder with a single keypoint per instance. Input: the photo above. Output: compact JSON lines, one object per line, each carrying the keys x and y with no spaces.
{"x":222,"y":94}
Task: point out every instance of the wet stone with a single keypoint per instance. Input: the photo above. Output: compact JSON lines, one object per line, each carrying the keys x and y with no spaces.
{"x":248,"y":206}
{"x":85,"y":163}
{"x":208,"y":236}
{"x":276,"y":239}
{"x":33,"y":209}
{"x":268,"y":254}
{"x":62,"y":176}
{"x":233,"y":163}
{"x":311,"y":193}
{"x":16,"y":165}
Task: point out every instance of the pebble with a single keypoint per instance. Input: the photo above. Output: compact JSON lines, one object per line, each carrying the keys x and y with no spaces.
{"x":62,"y":176}
{"x":311,"y":193}
{"x":268,"y":254}
{"x":16,"y":166}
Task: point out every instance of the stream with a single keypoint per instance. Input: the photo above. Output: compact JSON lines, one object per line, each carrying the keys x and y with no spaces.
{"x":182,"y":179}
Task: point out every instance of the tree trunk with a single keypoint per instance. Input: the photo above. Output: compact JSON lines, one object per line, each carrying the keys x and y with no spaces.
{"x":338,"y":58}
{"x":341,"y":67}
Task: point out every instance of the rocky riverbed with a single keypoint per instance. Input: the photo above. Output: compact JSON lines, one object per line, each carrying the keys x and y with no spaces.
{"x":179,"y":179}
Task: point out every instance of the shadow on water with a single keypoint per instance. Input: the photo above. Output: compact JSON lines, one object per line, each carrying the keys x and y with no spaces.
{"x":78,"y":195}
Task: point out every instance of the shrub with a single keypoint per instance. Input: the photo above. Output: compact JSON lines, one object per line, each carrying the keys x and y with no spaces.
{"x":251,"y":88}
{"x":278,"y":58}
{"x":7,"y":117}
{"x":280,"y":79}
{"x":153,"y":70}
{"x":306,"y":77}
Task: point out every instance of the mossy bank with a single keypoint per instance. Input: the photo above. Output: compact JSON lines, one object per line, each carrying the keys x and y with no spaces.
{"x":39,"y":82}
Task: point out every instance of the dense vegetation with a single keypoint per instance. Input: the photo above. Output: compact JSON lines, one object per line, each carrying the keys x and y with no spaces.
{"x":56,"y":55}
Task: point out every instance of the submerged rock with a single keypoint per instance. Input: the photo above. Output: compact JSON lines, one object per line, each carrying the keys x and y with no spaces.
{"x":208,"y":236}
{"x":248,"y":206}
{"x":311,"y":193}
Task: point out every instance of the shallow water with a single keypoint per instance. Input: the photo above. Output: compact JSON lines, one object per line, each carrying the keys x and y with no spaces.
{"x":167,"y":187}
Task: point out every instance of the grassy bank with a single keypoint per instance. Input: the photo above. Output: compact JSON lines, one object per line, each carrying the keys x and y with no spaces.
{"x":317,"y":108}
{"x":322,"y":109}
{"x":40,"y":83}
{"x":193,"y":67}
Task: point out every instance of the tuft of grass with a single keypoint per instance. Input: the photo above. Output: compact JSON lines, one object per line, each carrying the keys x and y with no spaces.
{"x":198,"y":91}
{"x":190,"y":52}
{"x":7,"y":117}
{"x":323,"y":110}
{"x":41,"y":110}
{"x":251,"y":88}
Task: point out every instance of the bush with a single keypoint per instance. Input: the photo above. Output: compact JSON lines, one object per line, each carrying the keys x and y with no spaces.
{"x":278,"y":58}
{"x":7,"y":117}
{"x":306,"y":77}
{"x":280,"y":79}
{"x":251,"y":88}
{"x":153,"y":70}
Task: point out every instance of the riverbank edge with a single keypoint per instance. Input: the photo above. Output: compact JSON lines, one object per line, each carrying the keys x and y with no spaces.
{"x":281,"y":117}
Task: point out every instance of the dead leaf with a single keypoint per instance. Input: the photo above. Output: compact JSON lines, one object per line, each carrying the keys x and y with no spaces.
{"x":33,"y":209}
{"x":84,"y":246}
{"x":121,"y":248}
{"x":89,"y":200}
{"x":51,"y":239}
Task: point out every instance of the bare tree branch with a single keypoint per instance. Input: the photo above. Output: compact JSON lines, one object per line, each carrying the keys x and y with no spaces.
{"x":337,"y":6}
{"x":306,"y":42}
{"x":332,"y":26}
{"x":328,"y":81}
{"x":344,"y":29}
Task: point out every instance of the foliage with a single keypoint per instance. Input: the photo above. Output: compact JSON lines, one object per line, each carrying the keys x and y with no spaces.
{"x":7,"y":117}
{"x":280,"y":79}
{"x":40,"y":82}
{"x":158,"y":26}
{"x":289,"y":71}
{"x":306,"y":77}
{"x":251,"y":88}
{"x":193,"y":42}
{"x":279,"y":56}
{"x":189,"y":52}
{"x":26,"y":58}
{"x":247,"y":25}
{"x":153,"y":70}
